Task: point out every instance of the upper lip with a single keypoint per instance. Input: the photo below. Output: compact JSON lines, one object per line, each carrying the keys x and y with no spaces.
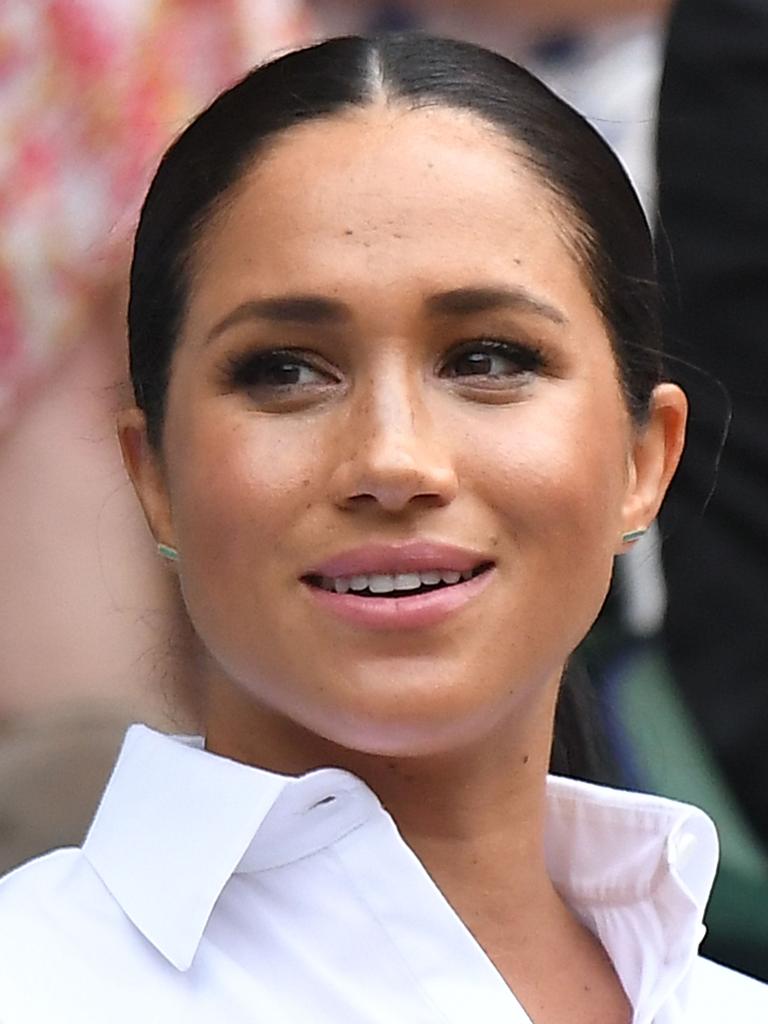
{"x":411,"y":556}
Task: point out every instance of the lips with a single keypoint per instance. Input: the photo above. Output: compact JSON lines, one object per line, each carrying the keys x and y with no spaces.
{"x":394,"y":559}
{"x":404,"y":586}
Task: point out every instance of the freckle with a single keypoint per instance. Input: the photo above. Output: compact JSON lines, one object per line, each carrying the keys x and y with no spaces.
{"x":494,"y":542}
{"x":305,"y":483}
{"x":518,"y":261}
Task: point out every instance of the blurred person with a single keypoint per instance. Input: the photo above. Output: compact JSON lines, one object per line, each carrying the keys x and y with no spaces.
{"x":713,"y":250}
{"x":91,"y":92}
{"x":398,"y":408}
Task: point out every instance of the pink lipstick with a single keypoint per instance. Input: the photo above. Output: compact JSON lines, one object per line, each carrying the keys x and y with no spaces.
{"x":403,"y":586}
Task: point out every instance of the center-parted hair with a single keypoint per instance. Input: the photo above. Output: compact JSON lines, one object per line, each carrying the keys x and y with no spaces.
{"x":602,"y":217}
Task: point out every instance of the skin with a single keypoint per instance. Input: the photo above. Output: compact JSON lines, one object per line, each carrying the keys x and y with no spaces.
{"x":539,"y":470}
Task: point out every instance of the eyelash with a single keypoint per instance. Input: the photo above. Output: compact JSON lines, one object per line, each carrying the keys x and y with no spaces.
{"x":242,"y":370}
{"x":246,"y":371}
{"x":527,"y":358}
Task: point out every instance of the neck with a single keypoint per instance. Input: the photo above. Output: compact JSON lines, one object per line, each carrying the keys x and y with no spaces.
{"x":475,"y":818}
{"x":473,"y":813}
{"x":483,"y":807}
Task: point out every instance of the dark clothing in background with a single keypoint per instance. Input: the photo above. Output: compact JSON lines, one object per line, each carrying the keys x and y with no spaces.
{"x":713,"y":251}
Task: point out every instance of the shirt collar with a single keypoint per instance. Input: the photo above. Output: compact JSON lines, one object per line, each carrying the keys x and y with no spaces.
{"x":638,"y":869}
{"x":176,"y":822}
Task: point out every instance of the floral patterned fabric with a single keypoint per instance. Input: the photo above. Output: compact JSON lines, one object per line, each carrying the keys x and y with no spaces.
{"x":91,"y":92}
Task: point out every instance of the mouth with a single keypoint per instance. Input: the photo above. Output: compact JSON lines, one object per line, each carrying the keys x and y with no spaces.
{"x":414,"y":583}
{"x":411,"y":586}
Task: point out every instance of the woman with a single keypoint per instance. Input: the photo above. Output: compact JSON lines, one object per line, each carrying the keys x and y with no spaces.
{"x":397,"y":409}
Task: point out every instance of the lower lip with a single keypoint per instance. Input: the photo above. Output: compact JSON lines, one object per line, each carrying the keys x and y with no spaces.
{"x":396,"y":613}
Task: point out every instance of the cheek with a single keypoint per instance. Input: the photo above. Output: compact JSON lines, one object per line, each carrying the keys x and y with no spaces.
{"x":557,"y":501}
{"x":240,"y":485}
{"x":240,"y":482}
{"x":555,"y":455}
{"x":556,"y":478}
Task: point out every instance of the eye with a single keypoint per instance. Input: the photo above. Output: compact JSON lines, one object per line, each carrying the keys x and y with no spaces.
{"x":491,"y":360}
{"x":277,"y":372}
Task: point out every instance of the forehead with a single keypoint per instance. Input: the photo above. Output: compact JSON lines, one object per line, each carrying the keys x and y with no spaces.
{"x":405,"y":198}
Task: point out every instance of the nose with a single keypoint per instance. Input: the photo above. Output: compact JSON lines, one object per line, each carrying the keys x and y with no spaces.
{"x":393,"y":454}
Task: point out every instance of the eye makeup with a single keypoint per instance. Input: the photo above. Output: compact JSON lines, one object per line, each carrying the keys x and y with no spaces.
{"x":493,"y":357}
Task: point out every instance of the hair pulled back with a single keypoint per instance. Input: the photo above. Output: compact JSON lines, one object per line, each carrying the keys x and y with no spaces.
{"x":601,"y":216}
{"x":601,"y":213}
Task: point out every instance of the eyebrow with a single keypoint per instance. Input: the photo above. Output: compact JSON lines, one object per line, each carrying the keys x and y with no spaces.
{"x":483,"y":299}
{"x":298,"y":309}
{"x":316,"y":310}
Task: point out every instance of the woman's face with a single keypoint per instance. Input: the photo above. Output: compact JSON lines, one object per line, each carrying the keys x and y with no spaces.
{"x":391,"y":374}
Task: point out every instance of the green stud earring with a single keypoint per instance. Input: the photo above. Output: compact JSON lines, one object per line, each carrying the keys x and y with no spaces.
{"x":166,"y":551}
{"x":632,"y":536}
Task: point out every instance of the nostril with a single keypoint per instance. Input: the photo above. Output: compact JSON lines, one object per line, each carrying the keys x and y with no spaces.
{"x":396,"y":498}
{"x":393,"y":481}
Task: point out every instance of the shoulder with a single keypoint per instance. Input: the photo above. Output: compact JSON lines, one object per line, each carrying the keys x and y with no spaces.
{"x":56,"y":920}
{"x":34,"y":884}
{"x":718,"y":994}
{"x":45,"y":900}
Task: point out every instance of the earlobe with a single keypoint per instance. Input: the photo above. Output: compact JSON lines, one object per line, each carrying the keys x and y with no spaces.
{"x":655,"y":454}
{"x":144,"y":466}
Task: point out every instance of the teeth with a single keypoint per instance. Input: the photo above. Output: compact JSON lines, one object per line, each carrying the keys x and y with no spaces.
{"x":381,"y":584}
{"x":386,"y":583}
{"x":407,"y":581}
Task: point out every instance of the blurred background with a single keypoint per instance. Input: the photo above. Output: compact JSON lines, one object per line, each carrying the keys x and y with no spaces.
{"x":91,"y":93}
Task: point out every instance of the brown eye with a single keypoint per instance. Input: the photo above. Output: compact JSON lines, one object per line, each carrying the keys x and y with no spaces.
{"x":491,"y":358}
{"x":280,"y":373}
{"x":277,"y":371}
{"x":484,"y":363}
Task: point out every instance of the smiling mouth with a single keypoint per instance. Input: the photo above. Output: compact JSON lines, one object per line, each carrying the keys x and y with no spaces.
{"x":396,"y":585}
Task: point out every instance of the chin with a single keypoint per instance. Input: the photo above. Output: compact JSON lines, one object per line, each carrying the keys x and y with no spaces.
{"x":411,"y":726}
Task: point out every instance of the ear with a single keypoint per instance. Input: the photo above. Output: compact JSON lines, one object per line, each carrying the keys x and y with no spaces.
{"x":145,"y":468}
{"x":653,"y":459}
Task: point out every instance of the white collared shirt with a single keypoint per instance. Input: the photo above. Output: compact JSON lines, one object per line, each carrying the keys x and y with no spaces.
{"x":209,"y":891}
